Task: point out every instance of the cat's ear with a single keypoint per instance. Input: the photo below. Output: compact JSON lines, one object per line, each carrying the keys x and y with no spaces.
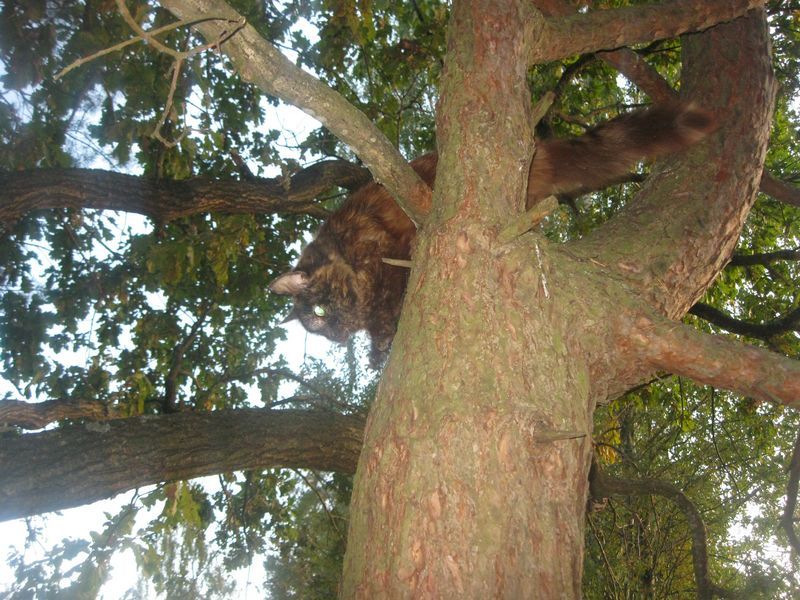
{"x":289,"y":284}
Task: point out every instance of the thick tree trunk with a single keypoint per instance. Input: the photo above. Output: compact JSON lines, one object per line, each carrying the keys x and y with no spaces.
{"x":473,"y":477}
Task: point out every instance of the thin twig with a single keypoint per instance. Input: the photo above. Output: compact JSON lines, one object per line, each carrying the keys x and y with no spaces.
{"x":324,"y":504}
{"x":541,"y":107}
{"x":180,"y":58}
{"x":398,"y":262}
{"x":603,"y":554}
{"x":528,"y":220}
{"x":146,"y":36}
{"x":176,"y":71}
{"x":122,"y":45}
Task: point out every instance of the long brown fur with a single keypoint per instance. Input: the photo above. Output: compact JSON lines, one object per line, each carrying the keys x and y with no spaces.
{"x":340,"y":285}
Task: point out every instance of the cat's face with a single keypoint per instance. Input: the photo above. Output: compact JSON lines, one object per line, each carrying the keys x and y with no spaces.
{"x":329,"y":297}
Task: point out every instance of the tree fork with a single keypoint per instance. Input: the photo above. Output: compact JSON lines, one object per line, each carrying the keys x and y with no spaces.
{"x":463,"y":486}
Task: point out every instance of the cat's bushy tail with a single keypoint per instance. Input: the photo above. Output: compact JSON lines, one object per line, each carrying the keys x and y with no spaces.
{"x":607,"y":154}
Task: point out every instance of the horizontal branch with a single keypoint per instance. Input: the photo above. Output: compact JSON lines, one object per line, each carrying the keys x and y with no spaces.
{"x":78,"y":464}
{"x":163,"y":200}
{"x":36,"y":415}
{"x":714,"y":360}
{"x":631,"y":64}
{"x":614,"y":28}
{"x":258,"y":61}
{"x":761,"y":331}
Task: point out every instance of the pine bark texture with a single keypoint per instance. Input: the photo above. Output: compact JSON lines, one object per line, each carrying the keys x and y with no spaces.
{"x":464,"y":486}
{"x":670,"y":243}
{"x":473,"y":476}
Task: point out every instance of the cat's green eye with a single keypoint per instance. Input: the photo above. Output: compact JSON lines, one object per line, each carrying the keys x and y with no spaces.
{"x":319,"y":311}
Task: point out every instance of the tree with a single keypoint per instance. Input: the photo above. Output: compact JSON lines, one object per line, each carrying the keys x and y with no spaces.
{"x":513,"y":348}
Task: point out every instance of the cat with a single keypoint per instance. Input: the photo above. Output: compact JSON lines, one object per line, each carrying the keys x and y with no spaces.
{"x":341,"y":285}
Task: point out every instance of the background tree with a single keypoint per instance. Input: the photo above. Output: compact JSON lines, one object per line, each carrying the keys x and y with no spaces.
{"x":171,"y":318}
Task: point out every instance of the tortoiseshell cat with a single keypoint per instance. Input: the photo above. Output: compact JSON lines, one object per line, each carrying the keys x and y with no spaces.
{"x":340,"y":284}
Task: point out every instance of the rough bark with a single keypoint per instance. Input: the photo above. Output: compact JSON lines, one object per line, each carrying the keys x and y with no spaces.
{"x":473,"y":479}
{"x":715,"y":360}
{"x":671,"y":242}
{"x":78,"y":464}
{"x":503,"y":346}
{"x":675,"y":237}
{"x":164,"y":200}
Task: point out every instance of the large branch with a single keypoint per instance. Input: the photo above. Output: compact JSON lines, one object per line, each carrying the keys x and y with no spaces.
{"x":714,"y":360}
{"x":78,"y":464}
{"x":631,"y":64}
{"x":37,"y":415}
{"x":609,"y":29}
{"x":763,"y":258}
{"x":258,"y":61}
{"x":164,"y":200}
{"x":684,"y":225}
